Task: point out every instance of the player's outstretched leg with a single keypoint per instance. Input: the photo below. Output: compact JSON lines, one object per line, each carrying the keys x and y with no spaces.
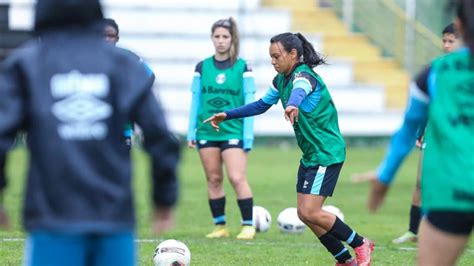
{"x":310,"y":212}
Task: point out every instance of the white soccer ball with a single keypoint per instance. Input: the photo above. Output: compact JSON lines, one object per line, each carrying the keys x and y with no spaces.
{"x":334,"y":210}
{"x":261,"y":219}
{"x":172,"y":252}
{"x":289,"y":222}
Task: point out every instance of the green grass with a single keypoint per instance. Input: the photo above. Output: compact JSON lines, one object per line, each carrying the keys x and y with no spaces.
{"x":272,"y":174}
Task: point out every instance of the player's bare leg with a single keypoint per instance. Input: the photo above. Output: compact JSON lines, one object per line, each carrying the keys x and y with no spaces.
{"x":438,"y":248}
{"x":212,"y":162}
{"x":235,"y":161}
{"x":377,"y":194}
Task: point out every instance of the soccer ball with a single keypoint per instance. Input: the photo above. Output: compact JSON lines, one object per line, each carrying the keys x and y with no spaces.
{"x":334,"y":210}
{"x":172,"y":253}
{"x":289,"y":222}
{"x":261,"y":219}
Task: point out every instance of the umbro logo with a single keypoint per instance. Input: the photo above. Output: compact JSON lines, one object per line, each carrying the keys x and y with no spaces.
{"x":218,"y":102}
{"x":305,"y":184}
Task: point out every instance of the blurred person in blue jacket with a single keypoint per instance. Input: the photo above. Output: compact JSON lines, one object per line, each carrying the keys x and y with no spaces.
{"x":72,"y":93}
{"x":112,"y":36}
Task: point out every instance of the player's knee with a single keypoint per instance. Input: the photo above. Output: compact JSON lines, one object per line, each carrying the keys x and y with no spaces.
{"x":308,"y":215}
{"x":237,"y":180}
{"x":302,"y":215}
{"x":214,"y":181}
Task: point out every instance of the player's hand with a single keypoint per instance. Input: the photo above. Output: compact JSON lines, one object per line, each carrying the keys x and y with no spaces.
{"x":419,"y":143}
{"x":191,"y":144}
{"x":163,"y":219}
{"x":291,"y":114}
{"x":216,"y":120}
{"x":378,"y":191}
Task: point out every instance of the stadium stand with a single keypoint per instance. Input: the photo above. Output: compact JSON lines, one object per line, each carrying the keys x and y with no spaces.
{"x":370,"y":66}
{"x":172,"y":36}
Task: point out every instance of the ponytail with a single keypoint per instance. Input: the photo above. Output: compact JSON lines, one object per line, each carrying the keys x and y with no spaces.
{"x":231,"y":25}
{"x":310,"y":56}
{"x":304,"y":49}
{"x":234,"y":49}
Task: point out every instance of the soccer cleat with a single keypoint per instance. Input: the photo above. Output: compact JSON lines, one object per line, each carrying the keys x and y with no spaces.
{"x":218,"y":232}
{"x":364,"y":252}
{"x":247,"y":233}
{"x":350,"y":262}
{"x":406,"y":237}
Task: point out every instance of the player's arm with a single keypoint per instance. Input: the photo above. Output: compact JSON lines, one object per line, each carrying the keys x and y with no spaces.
{"x":249,"y":97}
{"x":303,"y":85}
{"x":195,"y":99}
{"x":251,"y":109}
{"x":402,"y":141}
{"x":12,"y":112}
{"x":162,"y":146}
{"x":160,"y":143}
{"x":148,"y":69}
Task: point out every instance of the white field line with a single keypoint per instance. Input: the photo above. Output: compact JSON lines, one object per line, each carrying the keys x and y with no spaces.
{"x":224,"y":242}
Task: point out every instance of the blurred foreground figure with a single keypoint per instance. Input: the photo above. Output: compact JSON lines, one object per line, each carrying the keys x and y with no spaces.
{"x":443,"y":95}
{"x":72,"y":93}
{"x":399,"y":149}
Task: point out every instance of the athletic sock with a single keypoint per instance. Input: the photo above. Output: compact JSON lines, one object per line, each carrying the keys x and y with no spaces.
{"x":246,"y":210}
{"x":344,"y":233}
{"x":335,"y":247}
{"x":218,"y":210}
{"x":415,"y":217}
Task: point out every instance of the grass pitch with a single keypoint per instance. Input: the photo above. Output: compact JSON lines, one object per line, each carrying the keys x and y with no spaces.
{"x":272,"y":175}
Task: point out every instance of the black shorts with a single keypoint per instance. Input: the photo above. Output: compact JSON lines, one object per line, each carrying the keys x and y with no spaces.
{"x":223,"y":145}
{"x":454,"y":222}
{"x":318,"y":180}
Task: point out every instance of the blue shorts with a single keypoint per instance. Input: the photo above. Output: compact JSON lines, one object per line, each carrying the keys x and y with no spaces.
{"x":318,"y":180}
{"x":223,"y":145}
{"x":76,"y":249}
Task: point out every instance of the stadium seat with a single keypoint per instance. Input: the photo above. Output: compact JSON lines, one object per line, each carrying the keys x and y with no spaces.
{"x":173,"y":35}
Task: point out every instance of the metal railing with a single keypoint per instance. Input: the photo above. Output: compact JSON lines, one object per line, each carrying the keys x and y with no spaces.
{"x":393,"y":29}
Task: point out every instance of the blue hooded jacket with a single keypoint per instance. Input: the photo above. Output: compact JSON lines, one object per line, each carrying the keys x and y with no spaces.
{"x":72,"y":93}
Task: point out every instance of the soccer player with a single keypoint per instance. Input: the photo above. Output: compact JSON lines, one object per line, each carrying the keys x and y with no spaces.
{"x":451,"y":42}
{"x":312,"y":113}
{"x":397,"y":152}
{"x":72,"y":93}
{"x":112,"y":35}
{"x":224,"y":81}
{"x":445,"y":89}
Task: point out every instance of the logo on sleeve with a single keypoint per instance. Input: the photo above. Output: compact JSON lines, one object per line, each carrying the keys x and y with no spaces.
{"x":298,"y":75}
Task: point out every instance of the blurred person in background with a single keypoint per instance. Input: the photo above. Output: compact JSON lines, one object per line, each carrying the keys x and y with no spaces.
{"x":224,"y":81}
{"x":443,"y":94}
{"x":397,"y":153}
{"x":72,"y":93}
{"x":112,"y":35}
{"x":313,"y":115}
